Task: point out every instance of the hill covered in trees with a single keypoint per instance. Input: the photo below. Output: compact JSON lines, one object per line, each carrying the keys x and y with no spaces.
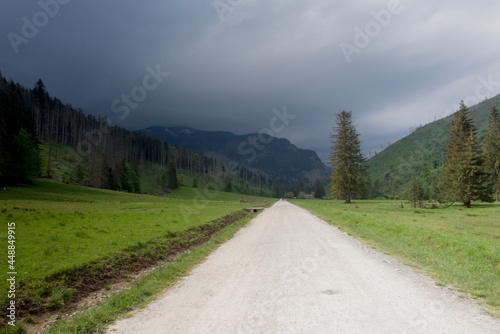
{"x":420,"y":154}
{"x":66,"y":144}
{"x":42,"y":136}
{"x":276,"y":157}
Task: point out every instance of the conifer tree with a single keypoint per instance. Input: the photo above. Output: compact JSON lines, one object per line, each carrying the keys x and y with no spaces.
{"x":319,"y":190}
{"x":346,"y":159}
{"x":464,"y":177}
{"x":172,"y":182}
{"x":127,"y":182}
{"x":229,"y":186}
{"x":415,"y":192}
{"x":20,"y":162}
{"x":491,"y":150}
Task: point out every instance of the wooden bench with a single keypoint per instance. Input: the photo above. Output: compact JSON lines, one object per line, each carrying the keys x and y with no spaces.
{"x":255,"y":209}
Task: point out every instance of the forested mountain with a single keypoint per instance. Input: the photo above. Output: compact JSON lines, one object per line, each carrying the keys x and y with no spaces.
{"x":82,"y":149}
{"x":42,"y":136}
{"x":276,"y":157}
{"x":420,"y":154}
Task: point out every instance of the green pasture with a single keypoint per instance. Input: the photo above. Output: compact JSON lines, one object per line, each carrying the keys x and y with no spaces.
{"x":60,"y":227}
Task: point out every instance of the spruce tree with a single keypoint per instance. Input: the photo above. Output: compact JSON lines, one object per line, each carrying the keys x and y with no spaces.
{"x":229,"y":186}
{"x":20,"y":162}
{"x":319,"y":190}
{"x":172,"y":182}
{"x":127,"y":183}
{"x":415,"y":192}
{"x":346,"y":159}
{"x":491,"y":150}
{"x":464,"y":177}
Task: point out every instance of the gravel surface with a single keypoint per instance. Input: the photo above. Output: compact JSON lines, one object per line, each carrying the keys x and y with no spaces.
{"x":290,"y":272}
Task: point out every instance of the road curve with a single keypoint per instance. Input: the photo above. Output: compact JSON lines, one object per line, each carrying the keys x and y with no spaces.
{"x":290,"y":272}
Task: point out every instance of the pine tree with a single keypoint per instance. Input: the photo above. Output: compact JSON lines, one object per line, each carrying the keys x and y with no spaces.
{"x":491,"y":150}
{"x":42,"y":98}
{"x":40,"y":94}
{"x":415,"y":192}
{"x":127,"y":182}
{"x":172,"y":176}
{"x":21,"y":161}
{"x":346,"y":160}
{"x":464,"y":177}
{"x":319,"y":190}
{"x":229,"y":186}
{"x":136,"y":184}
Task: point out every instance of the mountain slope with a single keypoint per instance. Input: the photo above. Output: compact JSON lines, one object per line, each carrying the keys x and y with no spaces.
{"x":276,"y":157}
{"x":393,"y":168}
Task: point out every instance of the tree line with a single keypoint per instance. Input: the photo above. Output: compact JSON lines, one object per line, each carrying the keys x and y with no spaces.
{"x":470,"y":170}
{"x":95,"y":153}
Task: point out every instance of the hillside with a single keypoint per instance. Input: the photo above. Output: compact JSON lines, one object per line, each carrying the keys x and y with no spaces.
{"x":391,"y":169}
{"x":276,"y":157}
{"x":73,"y":147}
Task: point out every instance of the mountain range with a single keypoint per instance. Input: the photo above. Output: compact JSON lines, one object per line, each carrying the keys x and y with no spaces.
{"x":421,"y":152}
{"x":276,"y":157}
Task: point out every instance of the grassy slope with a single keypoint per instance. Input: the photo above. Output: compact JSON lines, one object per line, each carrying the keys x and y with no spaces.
{"x":427,"y":143}
{"x":460,"y":247}
{"x":64,"y":162}
{"x":61,"y":227}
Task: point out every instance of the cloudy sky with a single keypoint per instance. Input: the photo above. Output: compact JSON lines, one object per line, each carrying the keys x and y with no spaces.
{"x":234,"y":65}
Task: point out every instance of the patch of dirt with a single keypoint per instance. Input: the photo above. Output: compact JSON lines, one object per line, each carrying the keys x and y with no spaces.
{"x":94,"y":282}
{"x":45,"y":321}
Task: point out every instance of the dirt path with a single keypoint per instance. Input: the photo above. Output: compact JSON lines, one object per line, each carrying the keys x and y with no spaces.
{"x":290,"y":272}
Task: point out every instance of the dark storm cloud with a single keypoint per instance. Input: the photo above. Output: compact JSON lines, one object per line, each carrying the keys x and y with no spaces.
{"x":231,"y":63}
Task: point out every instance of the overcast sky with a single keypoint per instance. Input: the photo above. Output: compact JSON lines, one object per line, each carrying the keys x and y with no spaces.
{"x":230,"y":63}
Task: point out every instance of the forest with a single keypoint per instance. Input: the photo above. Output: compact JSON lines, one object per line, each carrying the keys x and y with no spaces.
{"x":40,"y":136}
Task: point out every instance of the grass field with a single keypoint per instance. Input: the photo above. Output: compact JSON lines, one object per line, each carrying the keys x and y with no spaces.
{"x":143,"y":292}
{"x":61,"y":227}
{"x":456,"y":246}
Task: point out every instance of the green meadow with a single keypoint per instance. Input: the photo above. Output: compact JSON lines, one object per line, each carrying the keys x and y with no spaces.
{"x":457,"y":246}
{"x":62,"y":227}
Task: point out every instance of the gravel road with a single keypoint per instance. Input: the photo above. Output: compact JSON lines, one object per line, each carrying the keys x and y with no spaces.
{"x":290,"y":272}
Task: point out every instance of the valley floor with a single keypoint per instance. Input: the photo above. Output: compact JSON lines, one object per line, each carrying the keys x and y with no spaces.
{"x":290,"y":272}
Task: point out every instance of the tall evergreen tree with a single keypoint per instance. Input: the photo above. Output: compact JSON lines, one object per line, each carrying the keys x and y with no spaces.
{"x":21,"y":161}
{"x":42,"y":99}
{"x":40,"y":94}
{"x":319,"y":190}
{"x":346,"y":159}
{"x":172,"y":182}
{"x":415,"y":192}
{"x":229,"y":186}
{"x":464,"y":177}
{"x":127,"y":183}
{"x":491,"y":149}
{"x":130,"y":179}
